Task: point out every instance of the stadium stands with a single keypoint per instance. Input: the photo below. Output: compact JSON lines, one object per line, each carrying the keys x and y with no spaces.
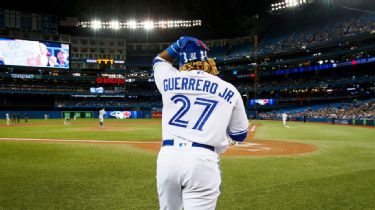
{"x":314,"y":33}
{"x":354,"y":110}
{"x":315,"y":59}
{"x":138,"y":103}
{"x":139,"y":61}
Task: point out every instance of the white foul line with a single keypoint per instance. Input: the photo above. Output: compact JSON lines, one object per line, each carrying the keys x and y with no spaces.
{"x":78,"y":141}
{"x":253,"y":129}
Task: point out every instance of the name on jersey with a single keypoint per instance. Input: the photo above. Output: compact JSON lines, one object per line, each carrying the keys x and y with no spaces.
{"x":192,"y":84}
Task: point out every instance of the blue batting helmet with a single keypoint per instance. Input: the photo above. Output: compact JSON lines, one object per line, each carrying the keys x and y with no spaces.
{"x":192,"y":49}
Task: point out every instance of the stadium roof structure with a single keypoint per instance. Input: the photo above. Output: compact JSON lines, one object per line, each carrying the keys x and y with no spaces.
{"x":226,"y":18}
{"x":220,"y":18}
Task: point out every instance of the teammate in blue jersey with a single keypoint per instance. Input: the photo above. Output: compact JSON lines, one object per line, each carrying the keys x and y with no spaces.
{"x":199,"y":111}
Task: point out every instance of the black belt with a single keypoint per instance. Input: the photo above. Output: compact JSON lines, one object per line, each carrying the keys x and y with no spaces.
{"x":170,"y":142}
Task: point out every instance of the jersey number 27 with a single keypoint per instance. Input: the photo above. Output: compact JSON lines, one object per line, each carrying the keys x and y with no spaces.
{"x":177,"y":120}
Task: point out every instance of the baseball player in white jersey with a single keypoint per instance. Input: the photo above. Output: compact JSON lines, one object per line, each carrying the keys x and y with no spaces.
{"x":199,"y":110}
{"x":67,"y":121}
{"x":8,"y":118}
{"x":285,"y":117}
{"x":101,"y":117}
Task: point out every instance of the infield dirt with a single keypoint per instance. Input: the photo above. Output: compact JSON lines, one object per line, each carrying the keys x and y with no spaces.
{"x":250,"y":147}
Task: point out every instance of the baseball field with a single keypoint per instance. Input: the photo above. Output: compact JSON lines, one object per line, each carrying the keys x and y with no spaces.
{"x":49,"y":165}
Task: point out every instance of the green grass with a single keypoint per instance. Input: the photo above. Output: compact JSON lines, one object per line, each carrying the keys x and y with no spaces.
{"x":36,"y":175}
{"x":75,"y":176}
{"x":86,"y":129}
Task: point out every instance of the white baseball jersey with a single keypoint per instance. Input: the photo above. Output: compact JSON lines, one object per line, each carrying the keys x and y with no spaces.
{"x":101,"y":113}
{"x":199,"y":107}
{"x":8,"y":118}
{"x":284,"y":116}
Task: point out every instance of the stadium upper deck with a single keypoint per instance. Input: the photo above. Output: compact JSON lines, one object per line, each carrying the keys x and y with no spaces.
{"x":293,"y":50}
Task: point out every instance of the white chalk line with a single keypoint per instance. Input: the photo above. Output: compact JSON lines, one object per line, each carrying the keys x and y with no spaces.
{"x":78,"y":141}
{"x":251,"y":147}
{"x":89,"y":141}
{"x":253,"y":129}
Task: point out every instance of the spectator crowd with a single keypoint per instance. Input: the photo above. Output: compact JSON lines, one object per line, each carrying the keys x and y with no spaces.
{"x":345,"y":111}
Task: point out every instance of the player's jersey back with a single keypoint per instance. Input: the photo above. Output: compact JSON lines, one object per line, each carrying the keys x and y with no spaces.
{"x":284,"y":116}
{"x":101,"y":113}
{"x":198,"y":107}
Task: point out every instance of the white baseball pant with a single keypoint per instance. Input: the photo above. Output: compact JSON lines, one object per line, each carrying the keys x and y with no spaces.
{"x":187,"y":177}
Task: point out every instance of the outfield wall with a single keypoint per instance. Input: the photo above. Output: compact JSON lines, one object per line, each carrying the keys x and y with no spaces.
{"x":120,"y":114}
{"x":32,"y":114}
{"x":156,"y":114}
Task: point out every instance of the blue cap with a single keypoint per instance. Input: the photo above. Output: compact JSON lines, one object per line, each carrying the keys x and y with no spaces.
{"x":193,"y":50}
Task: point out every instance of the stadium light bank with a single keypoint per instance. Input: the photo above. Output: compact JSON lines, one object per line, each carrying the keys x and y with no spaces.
{"x":133,"y":24}
{"x":284,"y":4}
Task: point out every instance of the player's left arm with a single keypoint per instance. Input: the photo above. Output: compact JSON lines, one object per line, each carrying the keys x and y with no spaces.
{"x":169,"y":54}
{"x":166,"y":56}
{"x":238,"y":124}
{"x":162,"y":63}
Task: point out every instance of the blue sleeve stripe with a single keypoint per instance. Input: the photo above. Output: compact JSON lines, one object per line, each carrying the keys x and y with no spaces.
{"x":173,"y":49}
{"x":239,"y":132}
{"x":155,"y":61}
{"x":238,"y":137}
{"x":172,"y":52}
